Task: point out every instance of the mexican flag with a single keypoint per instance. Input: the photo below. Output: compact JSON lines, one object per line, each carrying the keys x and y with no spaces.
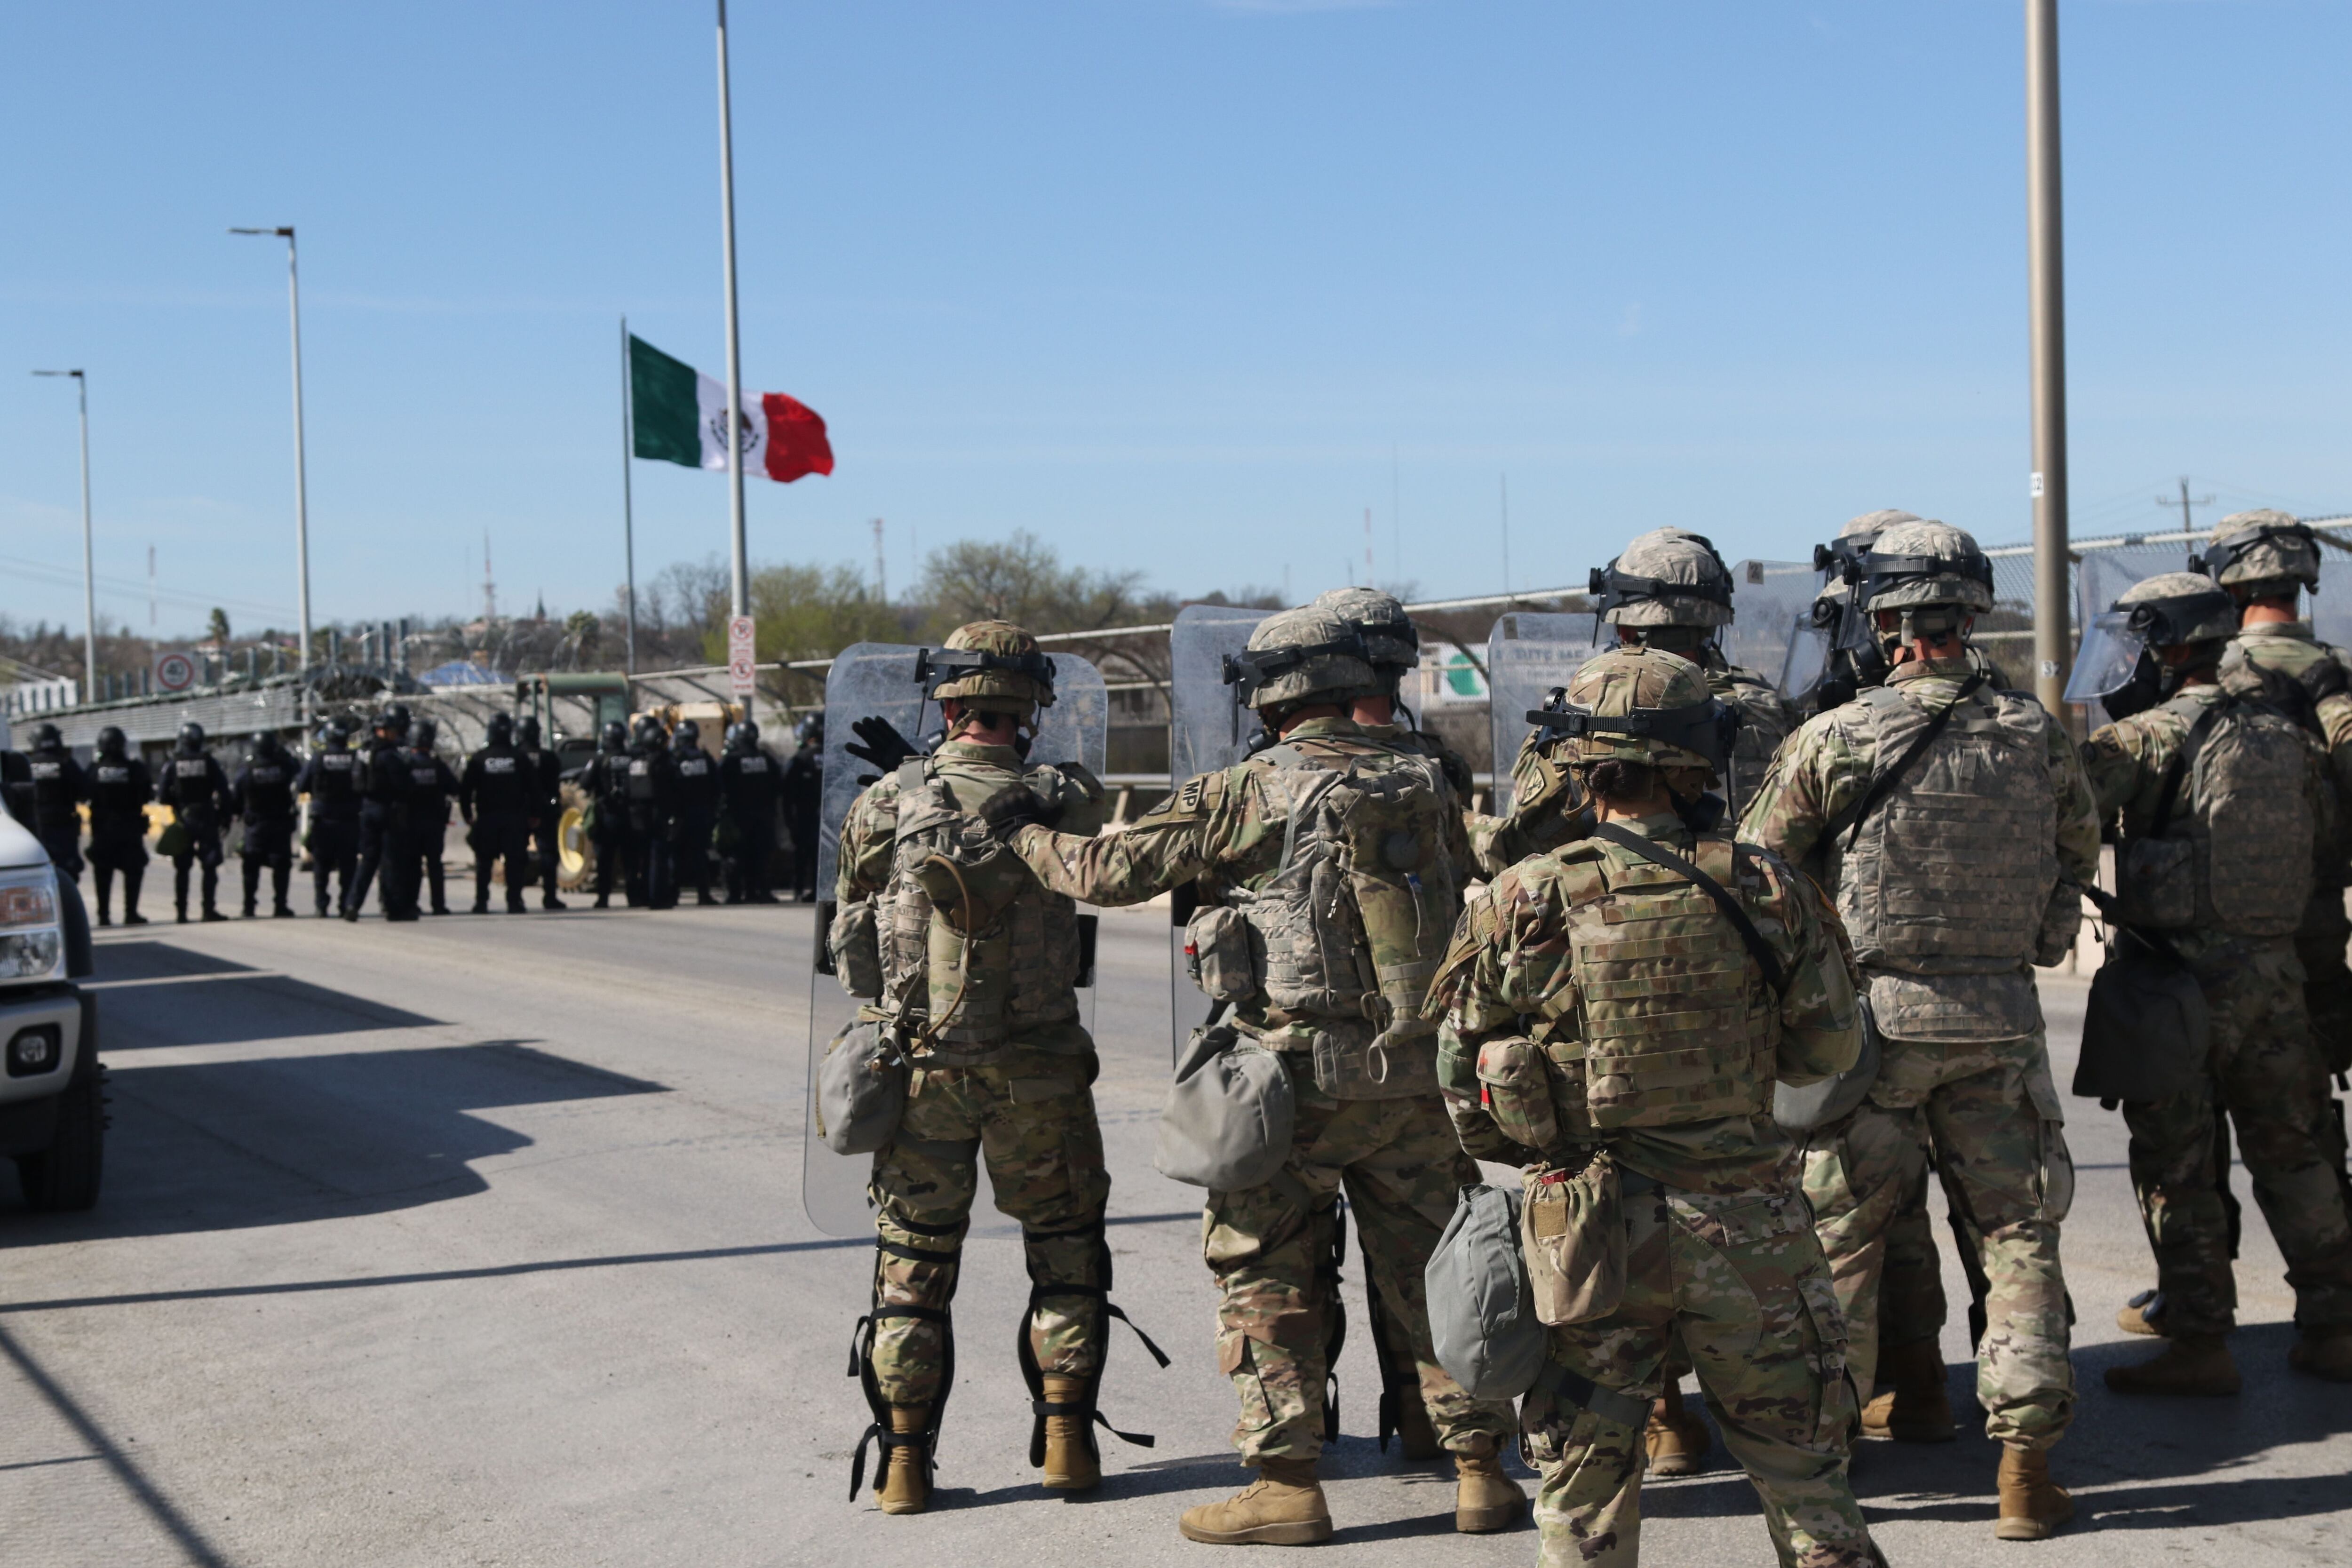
{"x":680,"y":416}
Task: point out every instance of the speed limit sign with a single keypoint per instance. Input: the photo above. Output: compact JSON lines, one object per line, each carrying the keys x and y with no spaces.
{"x":174,"y":672}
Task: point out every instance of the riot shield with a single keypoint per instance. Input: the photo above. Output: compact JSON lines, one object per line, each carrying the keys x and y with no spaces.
{"x":877,"y":680}
{"x":1773,"y":617}
{"x":1529,"y":653}
{"x":1207,"y":732}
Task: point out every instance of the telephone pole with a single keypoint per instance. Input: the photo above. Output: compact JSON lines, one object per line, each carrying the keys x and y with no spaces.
{"x":2188,"y":525}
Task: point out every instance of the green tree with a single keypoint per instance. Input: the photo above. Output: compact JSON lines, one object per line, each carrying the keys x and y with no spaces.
{"x":217,"y":627}
{"x":812,"y":612}
{"x":1022,"y":580}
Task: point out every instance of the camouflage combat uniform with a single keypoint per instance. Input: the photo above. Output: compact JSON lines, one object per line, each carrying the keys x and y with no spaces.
{"x":1952,"y":893}
{"x":1271,"y":1247}
{"x":2247,"y":898}
{"x":1560,"y":951}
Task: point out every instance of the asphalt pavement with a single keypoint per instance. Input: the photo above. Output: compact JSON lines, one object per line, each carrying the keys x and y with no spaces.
{"x":480,"y":1241}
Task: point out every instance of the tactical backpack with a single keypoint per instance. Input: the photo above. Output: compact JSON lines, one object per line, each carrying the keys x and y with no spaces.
{"x":2228,"y":845}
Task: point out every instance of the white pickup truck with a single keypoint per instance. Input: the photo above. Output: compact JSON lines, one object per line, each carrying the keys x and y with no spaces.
{"x":52,"y":1088}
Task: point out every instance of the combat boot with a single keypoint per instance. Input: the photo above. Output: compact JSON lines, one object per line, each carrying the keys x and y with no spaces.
{"x":1916,"y":1406}
{"x":2324,"y":1352}
{"x":1484,"y":1498}
{"x":1675,"y":1439}
{"x":2032,"y":1507}
{"x":2193,"y":1364}
{"x":907,"y":1467}
{"x":2143,"y":1314}
{"x":1071,"y":1463}
{"x":1284,"y":1506}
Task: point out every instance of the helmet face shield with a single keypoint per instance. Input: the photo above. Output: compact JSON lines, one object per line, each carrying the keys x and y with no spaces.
{"x":2110,"y":657}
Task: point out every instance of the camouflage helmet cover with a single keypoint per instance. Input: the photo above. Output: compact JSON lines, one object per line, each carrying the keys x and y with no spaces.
{"x":1926,"y":563}
{"x":2174,"y":608}
{"x":2263,"y":547}
{"x":1638,"y":704}
{"x":1871,"y":524}
{"x":1390,"y":638}
{"x":1300,"y":656}
{"x":1857,"y":535}
{"x":1009,"y":664}
{"x":1667,"y":577}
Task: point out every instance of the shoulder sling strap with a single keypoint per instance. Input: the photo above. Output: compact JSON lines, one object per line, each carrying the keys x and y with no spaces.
{"x":1659,"y":855}
{"x":2177,"y":770}
{"x":1882,"y":785}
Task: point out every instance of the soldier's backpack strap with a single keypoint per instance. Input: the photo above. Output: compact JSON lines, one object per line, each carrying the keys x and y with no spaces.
{"x":2177,"y":770}
{"x":1882,"y":783}
{"x":1659,"y":855}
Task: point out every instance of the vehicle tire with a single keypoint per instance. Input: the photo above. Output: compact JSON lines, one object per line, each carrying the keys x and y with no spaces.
{"x":65,"y":1176}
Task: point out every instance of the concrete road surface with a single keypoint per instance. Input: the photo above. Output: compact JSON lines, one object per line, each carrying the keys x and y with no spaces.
{"x":480,"y":1241}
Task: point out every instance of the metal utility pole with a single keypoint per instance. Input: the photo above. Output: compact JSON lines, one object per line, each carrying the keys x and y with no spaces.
{"x":628,"y":506}
{"x":2046,"y":305}
{"x":89,"y":580}
{"x":302,"y":485}
{"x":741,"y":585}
{"x":881,"y":577}
{"x":2188,"y":524}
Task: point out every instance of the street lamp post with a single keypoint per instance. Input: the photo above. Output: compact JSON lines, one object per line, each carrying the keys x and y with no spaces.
{"x":739,"y":566}
{"x":301,"y":489}
{"x":89,"y":581}
{"x":2046,"y":330}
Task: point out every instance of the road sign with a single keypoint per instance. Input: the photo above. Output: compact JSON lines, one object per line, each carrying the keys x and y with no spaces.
{"x":741,"y":660}
{"x":174,"y":672}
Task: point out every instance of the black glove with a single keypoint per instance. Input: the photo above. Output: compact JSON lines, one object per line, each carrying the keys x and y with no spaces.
{"x":885,"y":748}
{"x":1013,"y":807}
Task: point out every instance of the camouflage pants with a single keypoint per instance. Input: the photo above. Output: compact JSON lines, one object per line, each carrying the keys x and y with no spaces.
{"x":2266,"y":1072}
{"x":1271,"y":1248}
{"x":1033,"y":1119}
{"x":1992,"y":1116}
{"x":1741,"y":1279}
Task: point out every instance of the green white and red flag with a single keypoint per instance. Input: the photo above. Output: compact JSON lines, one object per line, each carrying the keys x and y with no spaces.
{"x":679,"y":415}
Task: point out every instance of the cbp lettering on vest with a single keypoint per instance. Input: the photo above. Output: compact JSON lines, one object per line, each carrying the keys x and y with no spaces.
{"x":606,"y":780}
{"x":196,"y":789}
{"x":1329,"y":848}
{"x":120,"y":789}
{"x":495,"y":795}
{"x":544,"y":769}
{"x":2227,"y":820}
{"x":263,"y":791}
{"x":58,"y":789}
{"x":697,"y":812}
{"x":1616,"y":1011}
{"x":329,"y":777}
{"x":650,"y":785}
{"x":750,"y":785}
{"x":384,"y":783}
{"x":974,"y":964}
{"x":1952,"y":819}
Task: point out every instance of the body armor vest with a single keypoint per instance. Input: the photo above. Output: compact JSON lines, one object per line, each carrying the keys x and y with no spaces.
{"x":116,"y":792}
{"x":974,"y":949}
{"x":335,"y":782}
{"x":2234,"y":851}
{"x":53,"y":791}
{"x":1952,"y":871}
{"x":641,"y":785}
{"x":268,"y":792}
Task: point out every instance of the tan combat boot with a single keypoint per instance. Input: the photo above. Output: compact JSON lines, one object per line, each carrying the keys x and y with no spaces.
{"x":1915,"y":1406}
{"x":2193,"y":1364}
{"x":2142,"y":1314}
{"x":1071,"y":1465}
{"x":907,"y":1467}
{"x":1676,"y":1439}
{"x":1284,"y":1506}
{"x":1484,"y":1498}
{"x":2324,"y":1352}
{"x":2032,"y":1507}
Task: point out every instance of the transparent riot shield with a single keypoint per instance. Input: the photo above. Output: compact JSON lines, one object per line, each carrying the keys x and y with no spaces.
{"x":1527,"y":654}
{"x":1207,"y":731}
{"x":877,"y":680}
{"x":1772,"y":615}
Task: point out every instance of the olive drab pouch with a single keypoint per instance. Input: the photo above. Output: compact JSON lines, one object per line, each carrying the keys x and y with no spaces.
{"x":1354,"y":1060}
{"x":1514,"y":1092}
{"x":1227,"y":1120}
{"x":1482,"y":1317}
{"x":1572,"y":1231}
{"x":1221,"y":953}
{"x":855,"y":947}
{"x":1800,"y":1109}
{"x":861,"y":1090}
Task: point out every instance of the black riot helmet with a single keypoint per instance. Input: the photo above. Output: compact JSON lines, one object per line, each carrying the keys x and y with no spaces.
{"x":113,"y":742}
{"x":735,"y":738}
{"x":48,"y":738}
{"x":526,"y":730}
{"x":266,"y":745}
{"x":338,"y":732}
{"x":501,"y":729}
{"x":393,"y":722}
{"x":424,"y":733}
{"x":616,"y":737}
{"x":192,"y":739}
{"x":810,"y":733}
{"x":648,"y":734}
{"x":687,"y":737}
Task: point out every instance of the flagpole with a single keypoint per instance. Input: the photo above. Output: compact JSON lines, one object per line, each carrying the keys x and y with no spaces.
{"x":628,"y":507}
{"x":740,"y":597}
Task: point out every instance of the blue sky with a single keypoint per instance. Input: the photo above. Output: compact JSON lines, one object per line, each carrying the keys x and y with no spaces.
{"x":1182,"y":287}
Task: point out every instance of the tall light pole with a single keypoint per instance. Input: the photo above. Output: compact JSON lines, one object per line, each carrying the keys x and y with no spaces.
{"x":89,"y":581}
{"x":741,"y":562}
{"x":302,"y":488}
{"x":2045,"y":271}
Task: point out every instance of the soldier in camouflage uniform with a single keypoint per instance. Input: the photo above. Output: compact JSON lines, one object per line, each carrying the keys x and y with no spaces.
{"x":1604,"y":1009}
{"x":977,"y":965}
{"x":1324,"y":863}
{"x":2228,"y":819}
{"x":1950,"y":817}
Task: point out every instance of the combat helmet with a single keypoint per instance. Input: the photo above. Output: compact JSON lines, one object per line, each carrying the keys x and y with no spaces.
{"x":1636,"y":704}
{"x":113,"y":742}
{"x":2176,"y":607}
{"x":1391,"y":641}
{"x":2261,"y":554}
{"x":986,"y":659}
{"x":48,"y":738}
{"x":2118,"y":665}
{"x":1306,"y":655}
{"x":1667,"y":577}
{"x":1932,"y":573}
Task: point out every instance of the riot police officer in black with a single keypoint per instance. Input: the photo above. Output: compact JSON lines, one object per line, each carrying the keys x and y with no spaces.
{"x":120,"y":789}
{"x":803,"y":799}
{"x":607,"y":783}
{"x":495,"y":795}
{"x":264,"y":793}
{"x":385,"y":784}
{"x":330,"y":776}
{"x":748,"y":782}
{"x":653,"y":804}
{"x":545,"y":770}
{"x":433,"y":786}
{"x":697,"y":809}
{"x":195,"y":787}
{"x":58,"y":789}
